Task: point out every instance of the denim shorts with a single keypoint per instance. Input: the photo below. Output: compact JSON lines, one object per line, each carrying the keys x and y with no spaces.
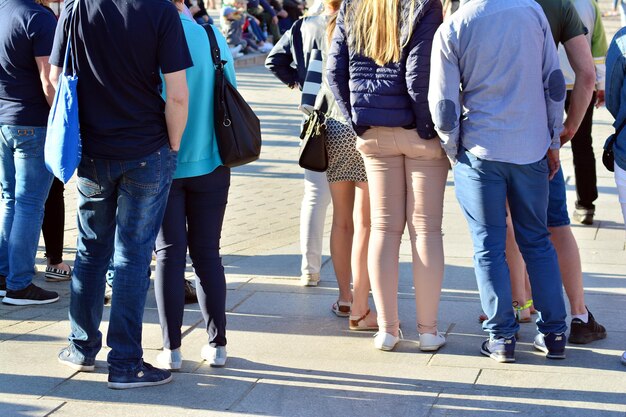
{"x":557,"y":203}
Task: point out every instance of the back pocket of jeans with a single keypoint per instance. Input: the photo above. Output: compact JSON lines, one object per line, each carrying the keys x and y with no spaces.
{"x":143,"y":177}
{"x":87,"y":179}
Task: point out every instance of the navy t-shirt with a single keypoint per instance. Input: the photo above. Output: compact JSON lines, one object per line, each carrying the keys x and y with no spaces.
{"x":121,"y":45}
{"x":26,"y":32}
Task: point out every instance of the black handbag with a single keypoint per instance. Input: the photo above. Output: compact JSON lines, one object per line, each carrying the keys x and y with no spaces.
{"x":608,"y":158}
{"x":313,"y":154}
{"x":237,"y":128}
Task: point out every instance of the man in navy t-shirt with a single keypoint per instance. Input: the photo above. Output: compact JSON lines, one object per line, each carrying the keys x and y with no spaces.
{"x":130,"y":137}
{"x":26,"y":36}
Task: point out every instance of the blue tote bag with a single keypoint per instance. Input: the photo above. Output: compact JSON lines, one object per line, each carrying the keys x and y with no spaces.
{"x":63,"y":147}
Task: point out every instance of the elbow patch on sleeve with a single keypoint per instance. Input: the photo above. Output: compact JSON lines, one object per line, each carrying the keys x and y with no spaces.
{"x":445,"y":116}
{"x":556,"y":85}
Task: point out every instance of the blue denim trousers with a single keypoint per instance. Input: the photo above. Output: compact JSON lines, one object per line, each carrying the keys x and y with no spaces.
{"x":25,"y":183}
{"x":193,"y":218}
{"x":482,"y":188}
{"x":120,"y":209}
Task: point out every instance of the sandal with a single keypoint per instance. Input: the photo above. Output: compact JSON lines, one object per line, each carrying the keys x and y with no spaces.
{"x":341,"y":308}
{"x":358,"y":323}
{"x":518,"y":311}
{"x":57,"y":275}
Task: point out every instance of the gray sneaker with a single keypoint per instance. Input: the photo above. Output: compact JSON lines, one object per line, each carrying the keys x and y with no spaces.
{"x":215,"y":356}
{"x":68,"y":356}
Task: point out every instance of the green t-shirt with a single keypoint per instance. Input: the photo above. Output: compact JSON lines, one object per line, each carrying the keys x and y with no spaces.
{"x":563,"y":19}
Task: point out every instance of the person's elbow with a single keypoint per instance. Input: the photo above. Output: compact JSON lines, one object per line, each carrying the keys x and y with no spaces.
{"x":179,"y":96}
{"x":586,"y":77}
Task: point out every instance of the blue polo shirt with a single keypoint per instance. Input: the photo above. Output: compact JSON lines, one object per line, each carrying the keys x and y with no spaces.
{"x":121,"y":46}
{"x":26,"y":32}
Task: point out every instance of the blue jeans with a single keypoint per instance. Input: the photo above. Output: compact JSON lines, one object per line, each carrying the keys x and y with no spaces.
{"x":193,"y":218}
{"x":482,"y":188}
{"x":120,"y":209}
{"x":25,"y":183}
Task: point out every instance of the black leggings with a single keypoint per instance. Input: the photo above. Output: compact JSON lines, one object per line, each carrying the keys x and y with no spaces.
{"x":193,"y":219}
{"x":53,"y":225}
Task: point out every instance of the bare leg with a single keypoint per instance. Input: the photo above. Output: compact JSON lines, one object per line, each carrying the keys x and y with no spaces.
{"x":361,"y":216}
{"x":571,"y":269}
{"x":341,"y":235}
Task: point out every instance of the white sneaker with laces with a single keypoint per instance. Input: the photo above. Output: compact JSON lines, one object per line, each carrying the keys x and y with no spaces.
{"x":170,"y":359}
{"x":430,"y":342}
{"x":215,"y":356}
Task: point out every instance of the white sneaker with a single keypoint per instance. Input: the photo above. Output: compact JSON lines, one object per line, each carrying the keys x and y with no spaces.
{"x":430,"y":342}
{"x":386,"y":341}
{"x":170,"y":359}
{"x":310,"y":280}
{"x":215,"y":356}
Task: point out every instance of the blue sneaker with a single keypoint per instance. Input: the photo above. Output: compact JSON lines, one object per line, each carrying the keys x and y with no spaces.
{"x":145,"y":375}
{"x":553,"y":344}
{"x":69,"y":356}
{"x":501,"y":349}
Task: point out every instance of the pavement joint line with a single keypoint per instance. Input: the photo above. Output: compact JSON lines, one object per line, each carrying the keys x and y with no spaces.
{"x":246,"y":298}
{"x":54,"y":410}
{"x":243,"y":396}
{"x":51,"y":390}
{"x":191,"y":328}
{"x":480,"y":371}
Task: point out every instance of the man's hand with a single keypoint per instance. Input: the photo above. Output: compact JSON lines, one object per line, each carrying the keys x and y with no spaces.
{"x":554,"y":162}
{"x":275,"y":20}
{"x":194,"y":9}
{"x":600,"y":99}
{"x":567,"y":134}
{"x":283,"y":13}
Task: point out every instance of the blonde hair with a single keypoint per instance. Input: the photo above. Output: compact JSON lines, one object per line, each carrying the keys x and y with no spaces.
{"x":375,"y":29}
{"x":332,"y":22}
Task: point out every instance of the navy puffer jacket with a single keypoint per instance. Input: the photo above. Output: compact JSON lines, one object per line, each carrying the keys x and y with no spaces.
{"x":395,"y":95}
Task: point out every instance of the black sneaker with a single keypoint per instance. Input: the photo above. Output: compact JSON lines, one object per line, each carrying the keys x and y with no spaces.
{"x":553,"y":344}
{"x":190,"y":293}
{"x":29,"y":296}
{"x":3,"y":285}
{"x":583,"y":215}
{"x":145,"y":376}
{"x":68,"y":356}
{"x":582,"y":333}
{"x":501,"y":350}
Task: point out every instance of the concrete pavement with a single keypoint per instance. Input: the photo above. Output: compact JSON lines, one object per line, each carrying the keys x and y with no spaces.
{"x":290,"y":356}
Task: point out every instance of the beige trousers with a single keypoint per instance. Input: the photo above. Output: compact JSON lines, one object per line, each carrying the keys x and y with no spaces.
{"x":407,"y":177}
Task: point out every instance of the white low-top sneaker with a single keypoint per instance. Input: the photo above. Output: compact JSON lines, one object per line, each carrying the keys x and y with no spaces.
{"x":310,"y":280}
{"x":430,"y":342}
{"x":170,"y":359}
{"x":215,"y":356}
{"x":386,"y":341}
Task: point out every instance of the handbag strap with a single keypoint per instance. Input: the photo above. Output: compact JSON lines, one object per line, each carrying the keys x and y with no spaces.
{"x":215,"y":48}
{"x":220,"y":78}
{"x":70,"y":54}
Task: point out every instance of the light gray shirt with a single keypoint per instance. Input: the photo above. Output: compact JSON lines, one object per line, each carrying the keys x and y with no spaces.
{"x":509,"y":106}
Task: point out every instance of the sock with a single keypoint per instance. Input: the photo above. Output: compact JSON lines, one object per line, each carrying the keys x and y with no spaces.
{"x":583,"y":317}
